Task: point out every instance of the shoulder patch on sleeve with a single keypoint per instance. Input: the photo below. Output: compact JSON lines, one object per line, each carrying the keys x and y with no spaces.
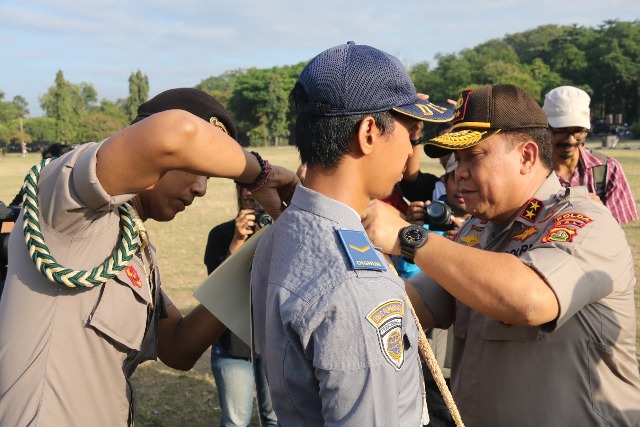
{"x":360,"y":251}
{"x":387,"y":320}
{"x":566,"y":227}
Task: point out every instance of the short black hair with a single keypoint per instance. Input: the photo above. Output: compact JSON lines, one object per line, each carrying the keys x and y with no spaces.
{"x":55,"y":150}
{"x":541,"y":136}
{"x":322,"y":141}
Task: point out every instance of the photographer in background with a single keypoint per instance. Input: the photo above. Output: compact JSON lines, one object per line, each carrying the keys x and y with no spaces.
{"x":230,"y":356}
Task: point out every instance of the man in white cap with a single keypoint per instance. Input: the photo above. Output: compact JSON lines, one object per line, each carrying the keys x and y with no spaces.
{"x":567,"y":110}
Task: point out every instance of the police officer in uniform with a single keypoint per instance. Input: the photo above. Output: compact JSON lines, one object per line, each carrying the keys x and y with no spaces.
{"x":539,"y":284}
{"x":338,"y":341}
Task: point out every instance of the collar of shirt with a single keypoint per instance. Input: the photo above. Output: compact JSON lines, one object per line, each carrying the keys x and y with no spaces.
{"x":326,"y":207}
{"x":587,"y":159}
{"x":581,"y":175}
{"x":547,"y":193}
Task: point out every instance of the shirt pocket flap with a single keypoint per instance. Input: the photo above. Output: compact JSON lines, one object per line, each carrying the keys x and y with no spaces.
{"x":120,"y":314}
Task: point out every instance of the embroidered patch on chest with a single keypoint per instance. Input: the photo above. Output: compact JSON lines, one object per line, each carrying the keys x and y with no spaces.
{"x":471,"y":240}
{"x":387,"y":320}
{"x":525,"y":234}
{"x":132,"y":274}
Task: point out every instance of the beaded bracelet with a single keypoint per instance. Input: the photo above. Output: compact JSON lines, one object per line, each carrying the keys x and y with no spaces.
{"x":263,"y":176}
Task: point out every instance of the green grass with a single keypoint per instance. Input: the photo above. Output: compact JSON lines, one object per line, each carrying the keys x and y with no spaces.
{"x":171,"y":398}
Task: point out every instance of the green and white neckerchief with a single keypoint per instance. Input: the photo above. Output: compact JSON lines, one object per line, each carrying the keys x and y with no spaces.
{"x":133,"y":237}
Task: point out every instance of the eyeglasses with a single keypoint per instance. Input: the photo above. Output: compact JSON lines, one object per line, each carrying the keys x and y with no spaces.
{"x":564,"y":134}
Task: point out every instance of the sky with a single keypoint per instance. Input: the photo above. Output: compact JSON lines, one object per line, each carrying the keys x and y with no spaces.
{"x":180,"y":43}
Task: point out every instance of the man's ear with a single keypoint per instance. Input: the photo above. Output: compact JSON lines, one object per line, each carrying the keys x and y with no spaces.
{"x":529,"y":153}
{"x":368,"y":132}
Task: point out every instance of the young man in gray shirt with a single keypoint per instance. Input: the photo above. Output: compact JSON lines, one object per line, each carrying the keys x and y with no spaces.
{"x":338,"y":340}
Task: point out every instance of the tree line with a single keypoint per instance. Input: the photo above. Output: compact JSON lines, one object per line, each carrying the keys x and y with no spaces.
{"x":602,"y":60}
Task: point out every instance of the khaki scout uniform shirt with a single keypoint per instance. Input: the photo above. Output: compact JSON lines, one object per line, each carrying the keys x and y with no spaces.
{"x":579,"y":370}
{"x":326,"y":362}
{"x":66,"y":353}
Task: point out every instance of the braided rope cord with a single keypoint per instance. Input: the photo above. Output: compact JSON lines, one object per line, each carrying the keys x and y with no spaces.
{"x":132,"y":237}
{"x":430,"y":359}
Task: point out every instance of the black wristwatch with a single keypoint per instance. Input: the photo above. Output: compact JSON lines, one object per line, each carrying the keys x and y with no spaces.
{"x":412,"y":238}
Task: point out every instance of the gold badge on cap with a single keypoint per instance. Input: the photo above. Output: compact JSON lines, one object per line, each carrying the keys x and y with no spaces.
{"x":217,"y":123}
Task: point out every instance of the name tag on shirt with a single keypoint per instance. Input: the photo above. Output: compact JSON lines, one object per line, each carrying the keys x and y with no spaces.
{"x":360,"y":251}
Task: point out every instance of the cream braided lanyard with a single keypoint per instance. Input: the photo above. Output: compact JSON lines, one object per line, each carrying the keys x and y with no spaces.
{"x":132,"y":238}
{"x":432,"y":363}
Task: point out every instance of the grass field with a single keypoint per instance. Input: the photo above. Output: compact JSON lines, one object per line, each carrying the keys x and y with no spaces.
{"x":167,"y":397}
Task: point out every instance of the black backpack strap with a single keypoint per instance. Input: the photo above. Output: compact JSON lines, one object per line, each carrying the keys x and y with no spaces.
{"x":600,"y":175}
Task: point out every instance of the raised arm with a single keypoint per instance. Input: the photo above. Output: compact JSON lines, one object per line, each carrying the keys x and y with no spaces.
{"x":137,"y":156}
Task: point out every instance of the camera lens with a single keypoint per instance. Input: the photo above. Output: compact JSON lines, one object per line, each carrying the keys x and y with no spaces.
{"x":438,"y":213}
{"x":263,"y":219}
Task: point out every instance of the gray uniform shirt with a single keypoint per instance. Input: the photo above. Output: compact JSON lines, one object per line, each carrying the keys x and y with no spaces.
{"x":326,"y":346}
{"x":579,"y":370}
{"x":66,"y":353}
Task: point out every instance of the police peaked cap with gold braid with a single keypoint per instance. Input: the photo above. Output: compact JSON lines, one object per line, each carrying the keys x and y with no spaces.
{"x":483,"y":112}
{"x":195,"y":101}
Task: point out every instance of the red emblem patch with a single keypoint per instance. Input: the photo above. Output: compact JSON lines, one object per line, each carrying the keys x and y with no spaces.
{"x":573,"y":219}
{"x":559,"y":235}
{"x":133,"y":276}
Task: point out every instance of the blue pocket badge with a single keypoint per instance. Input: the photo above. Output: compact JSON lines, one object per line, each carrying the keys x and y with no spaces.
{"x":360,"y":251}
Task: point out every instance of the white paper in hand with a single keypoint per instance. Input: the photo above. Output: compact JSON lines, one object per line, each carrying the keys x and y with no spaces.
{"x":227,"y":291}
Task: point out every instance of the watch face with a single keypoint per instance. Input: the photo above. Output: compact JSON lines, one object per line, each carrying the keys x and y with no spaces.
{"x":413,"y":235}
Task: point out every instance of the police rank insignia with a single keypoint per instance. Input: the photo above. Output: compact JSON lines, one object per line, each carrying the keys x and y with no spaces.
{"x":132,"y":274}
{"x":360,"y":251}
{"x":532,"y":210}
{"x":387,"y":319}
{"x":525,"y":234}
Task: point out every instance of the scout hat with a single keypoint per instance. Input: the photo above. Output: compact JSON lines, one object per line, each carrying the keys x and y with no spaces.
{"x":483,"y":112}
{"x":195,"y":101}
{"x":355,"y":79}
{"x":567,"y":106}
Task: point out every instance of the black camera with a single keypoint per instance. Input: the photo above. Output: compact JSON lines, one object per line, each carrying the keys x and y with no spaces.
{"x":263,"y":218}
{"x":437,"y":216}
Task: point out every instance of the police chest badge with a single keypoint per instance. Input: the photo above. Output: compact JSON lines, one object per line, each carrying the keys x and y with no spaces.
{"x":132,"y":274}
{"x":387,"y":319}
{"x":360,"y":251}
